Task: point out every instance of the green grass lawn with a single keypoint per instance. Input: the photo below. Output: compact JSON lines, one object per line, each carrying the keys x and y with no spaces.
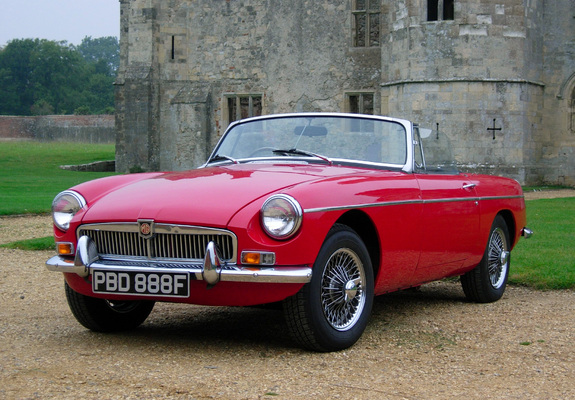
{"x":547,"y":260}
{"x":30,"y":174}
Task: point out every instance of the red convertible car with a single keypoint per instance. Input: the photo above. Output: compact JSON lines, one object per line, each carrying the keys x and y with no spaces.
{"x":321,"y":211}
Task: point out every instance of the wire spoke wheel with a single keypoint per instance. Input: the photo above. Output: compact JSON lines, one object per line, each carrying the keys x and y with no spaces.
{"x":487,"y":281}
{"x":498,"y":258}
{"x":331,"y":312}
{"x":342,"y":289}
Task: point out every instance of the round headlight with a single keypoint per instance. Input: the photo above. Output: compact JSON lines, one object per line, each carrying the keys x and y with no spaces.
{"x":281,"y":216}
{"x":65,"y":206}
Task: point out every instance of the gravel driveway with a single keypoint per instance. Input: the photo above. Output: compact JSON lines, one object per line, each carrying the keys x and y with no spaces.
{"x":426,"y":344}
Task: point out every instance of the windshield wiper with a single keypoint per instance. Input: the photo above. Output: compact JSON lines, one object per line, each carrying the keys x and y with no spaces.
{"x":303,"y":153}
{"x":218,"y":157}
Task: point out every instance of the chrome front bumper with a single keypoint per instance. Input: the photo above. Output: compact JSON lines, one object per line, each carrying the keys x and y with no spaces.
{"x":212,"y":270}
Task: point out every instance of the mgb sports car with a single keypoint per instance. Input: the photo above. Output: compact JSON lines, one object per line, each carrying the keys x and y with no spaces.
{"x":318,"y":211}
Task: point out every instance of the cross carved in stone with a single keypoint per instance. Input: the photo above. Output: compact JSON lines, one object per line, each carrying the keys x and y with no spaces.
{"x":494,"y":129}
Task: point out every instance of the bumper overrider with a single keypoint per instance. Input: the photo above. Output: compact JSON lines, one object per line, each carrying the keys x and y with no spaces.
{"x":212,"y":270}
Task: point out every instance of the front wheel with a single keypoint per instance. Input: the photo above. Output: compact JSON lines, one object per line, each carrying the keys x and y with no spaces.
{"x":101,"y":315}
{"x":486,"y":282}
{"x":331,"y":312}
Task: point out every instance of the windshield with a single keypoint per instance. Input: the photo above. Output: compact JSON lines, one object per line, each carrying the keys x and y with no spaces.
{"x":328,"y":138}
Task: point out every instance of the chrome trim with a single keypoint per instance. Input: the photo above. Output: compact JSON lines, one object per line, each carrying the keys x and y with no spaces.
{"x":356,"y":206}
{"x":502,"y":197}
{"x":451,"y":200}
{"x":207,"y":270}
{"x":123,"y":240}
{"x":212,"y":270}
{"x":86,"y":254}
{"x":407,"y":125}
{"x":81,"y":204}
{"x":263,"y":254}
{"x":62,"y":264}
{"x":456,"y":199}
{"x":298,"y":216}
{"x":403,"y":202}
{"x":526,"y":232}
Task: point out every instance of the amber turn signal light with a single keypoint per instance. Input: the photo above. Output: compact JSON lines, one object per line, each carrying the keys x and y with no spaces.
{"x":65,"y":248}
{"x":258,"y":258}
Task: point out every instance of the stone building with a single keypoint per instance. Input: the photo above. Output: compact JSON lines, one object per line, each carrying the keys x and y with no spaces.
{"x":498,"y":76}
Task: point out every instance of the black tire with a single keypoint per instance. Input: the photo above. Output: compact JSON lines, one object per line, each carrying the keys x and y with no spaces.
{"x":101,"y":315}
{"x":486,"y":283}
{"x":331,"y":312}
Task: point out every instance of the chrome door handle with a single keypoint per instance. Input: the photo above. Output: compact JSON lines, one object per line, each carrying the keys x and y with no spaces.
{"x":469,"y":185}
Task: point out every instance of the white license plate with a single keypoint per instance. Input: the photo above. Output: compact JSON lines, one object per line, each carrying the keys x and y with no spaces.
{"x":166,"y":284}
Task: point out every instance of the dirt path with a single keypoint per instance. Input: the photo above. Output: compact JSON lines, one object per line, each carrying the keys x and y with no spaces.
{"x":427,"y":344}
{"x":549,"y":194}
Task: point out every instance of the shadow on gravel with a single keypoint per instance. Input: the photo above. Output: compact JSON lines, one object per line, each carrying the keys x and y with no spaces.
{"x":205,"y":327}
{"x":262,"y":329}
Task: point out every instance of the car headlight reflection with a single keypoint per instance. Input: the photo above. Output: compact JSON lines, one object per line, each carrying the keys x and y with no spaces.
{"x":281,"y":216}
{"x":65,"y":206}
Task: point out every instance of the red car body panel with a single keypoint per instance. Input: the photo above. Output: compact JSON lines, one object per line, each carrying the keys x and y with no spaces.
{"x":428,"y":226}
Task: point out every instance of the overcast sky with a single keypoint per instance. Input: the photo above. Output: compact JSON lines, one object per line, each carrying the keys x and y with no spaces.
{"x":69,"y":20}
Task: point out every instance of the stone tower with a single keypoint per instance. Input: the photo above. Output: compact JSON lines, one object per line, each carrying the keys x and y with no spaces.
{"x":498,"y":76}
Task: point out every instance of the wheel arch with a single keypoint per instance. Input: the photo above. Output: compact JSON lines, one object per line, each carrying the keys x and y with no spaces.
{"x":362,"y":224}
{"x":509,"y":219}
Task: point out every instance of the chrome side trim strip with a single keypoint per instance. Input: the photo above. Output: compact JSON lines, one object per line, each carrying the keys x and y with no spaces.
{"x":356,"y":206}
{"x":402,"y":202}
{"x":453,"y":200}
{"x":501,"y":197}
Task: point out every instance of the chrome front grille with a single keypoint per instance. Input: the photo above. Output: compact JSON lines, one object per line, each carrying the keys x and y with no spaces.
{"x":168,"y":242}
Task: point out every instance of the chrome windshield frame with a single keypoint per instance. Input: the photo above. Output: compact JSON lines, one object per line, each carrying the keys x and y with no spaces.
{"x":407,"y":166}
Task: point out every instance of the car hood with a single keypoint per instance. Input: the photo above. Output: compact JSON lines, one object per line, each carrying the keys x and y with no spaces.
{"x":206,"y":196}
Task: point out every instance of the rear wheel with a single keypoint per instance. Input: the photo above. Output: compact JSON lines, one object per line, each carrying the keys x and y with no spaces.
{"x":486,"y":282}
{"x":101,"y":315}
{"x":331,"y":312}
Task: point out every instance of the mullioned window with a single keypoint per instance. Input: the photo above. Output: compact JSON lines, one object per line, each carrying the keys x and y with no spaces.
{"x":366,"y":23}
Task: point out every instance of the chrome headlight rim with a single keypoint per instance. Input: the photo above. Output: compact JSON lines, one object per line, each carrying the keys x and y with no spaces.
{"x":65,"y":206}
{"x":281,"y":228}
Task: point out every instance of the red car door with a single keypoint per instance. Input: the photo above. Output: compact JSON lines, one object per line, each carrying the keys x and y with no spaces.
{"x":450,"y":224}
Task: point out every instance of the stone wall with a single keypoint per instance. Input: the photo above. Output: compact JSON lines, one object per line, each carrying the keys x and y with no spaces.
{"x":62,"y":128}
{"x":503,"y":64}
{"x":186,"y":57}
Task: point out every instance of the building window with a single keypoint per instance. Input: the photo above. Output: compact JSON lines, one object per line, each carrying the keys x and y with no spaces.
{"x":360,"y":103}
{"x":366,"y":23}
{"x":242,"y":106}
{"x":440,"y":10}
{"x":572,"y":111}
{"x":448,"y":10}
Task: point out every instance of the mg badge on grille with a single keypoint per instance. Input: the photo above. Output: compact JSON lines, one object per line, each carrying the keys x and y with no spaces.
{"x":146,"y":228}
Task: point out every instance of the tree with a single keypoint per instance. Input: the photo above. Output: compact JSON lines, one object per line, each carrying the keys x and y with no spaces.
{"x":39,"y":76}
{"x":103,"y":52}
{"x":59,"y":74}
{"x":15,"y":77}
